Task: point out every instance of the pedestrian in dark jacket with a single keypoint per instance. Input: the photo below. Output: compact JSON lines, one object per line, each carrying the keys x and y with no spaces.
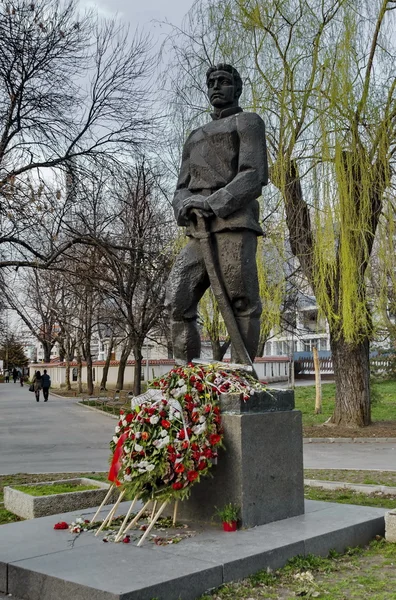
{"x":37,"y":384}
{"x":45,"y":384}
{"x":14,"y":374}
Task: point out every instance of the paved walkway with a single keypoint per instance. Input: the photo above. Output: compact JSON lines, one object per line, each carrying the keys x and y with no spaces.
{"x":52,"y":437}
{"x":60,"y":436}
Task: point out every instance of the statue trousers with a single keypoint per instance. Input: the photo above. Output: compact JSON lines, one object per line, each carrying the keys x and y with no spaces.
{"x":235,"y":253}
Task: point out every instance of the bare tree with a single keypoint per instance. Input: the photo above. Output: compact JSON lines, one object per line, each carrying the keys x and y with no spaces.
{"x":71,"y":86}
{"x":135,"y":261}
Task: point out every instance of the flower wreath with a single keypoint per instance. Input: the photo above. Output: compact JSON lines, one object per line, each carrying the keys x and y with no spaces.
{"x":166,"y":443}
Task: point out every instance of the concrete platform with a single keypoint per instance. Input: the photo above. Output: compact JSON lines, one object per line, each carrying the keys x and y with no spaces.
{"x":39,"y":563}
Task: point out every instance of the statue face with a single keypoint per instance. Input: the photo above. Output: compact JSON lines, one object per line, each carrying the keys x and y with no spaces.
{"x":221,"y":89}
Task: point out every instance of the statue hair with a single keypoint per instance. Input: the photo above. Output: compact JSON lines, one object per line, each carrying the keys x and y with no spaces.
{"x":229,"y":69}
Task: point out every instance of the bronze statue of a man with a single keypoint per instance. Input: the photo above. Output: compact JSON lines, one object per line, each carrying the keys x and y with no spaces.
{"x":224,"y":166}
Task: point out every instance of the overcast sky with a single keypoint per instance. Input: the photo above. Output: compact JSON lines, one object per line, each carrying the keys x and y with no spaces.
{"x":142,"y":13}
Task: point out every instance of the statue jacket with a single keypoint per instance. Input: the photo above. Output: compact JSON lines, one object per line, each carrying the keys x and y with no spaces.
{"x":226,"y":161}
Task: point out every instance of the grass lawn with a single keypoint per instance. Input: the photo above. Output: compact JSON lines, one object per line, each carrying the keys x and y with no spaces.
{"x":350,"y":476}
{"x":359,"y":574}
{"x":345,"y":496}
{"x":51,"y":490}
{"x":383,"y":402}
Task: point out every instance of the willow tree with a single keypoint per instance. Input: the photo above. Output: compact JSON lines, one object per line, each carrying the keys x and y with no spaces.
{"x":321,"y":73}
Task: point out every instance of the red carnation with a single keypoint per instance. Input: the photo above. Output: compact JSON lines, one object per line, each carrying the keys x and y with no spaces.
{"x":196,"y":456}
{"x":214,"y":439}
{"x":181,"y":435}
{"x":193,"y":379}
{"x":165,"y":424}
{"x":179,"y":468}
{"x":155,"y":383}
{"x":177,"y":486}
{"x":129,"y":417}
{"x":163,"y":413}
{"x":185,"y":444}
{"x":126,"y":539}
{"x":202,"y":465}
{"x":61,"y":525}
{"x":216,"y":410}
{"x":188,"y":397}
{"x":194,"y":447}
{"x":199,"y":386}
{"x":208,"y":453}
{"x":192,"y":475}
{"x":207,"y":408}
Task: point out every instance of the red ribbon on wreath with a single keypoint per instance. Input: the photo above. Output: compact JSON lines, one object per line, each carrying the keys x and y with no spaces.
{"x":116,"y":462}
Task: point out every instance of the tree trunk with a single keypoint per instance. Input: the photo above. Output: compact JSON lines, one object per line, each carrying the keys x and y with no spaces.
{"x":318,"y":383}
{"x":219,"y":349}
{"x":90,"y":385}
{"x":67,"y":373}
{"x":352,"y":379}
{"x":107,"y":365}
{"x":47,"y":347}
{"x":123,"y":361}
{"x":79,"y":371}
{"x":137,"y":374}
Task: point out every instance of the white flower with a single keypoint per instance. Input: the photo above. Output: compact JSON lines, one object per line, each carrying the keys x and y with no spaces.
{"x":117,"y":429}
{"x":163,"y":433}
{"x":161,"y":443}
{"x":115,"y":439}
{"x":127,"y":478}
{"x":124,"y":422}
{"x":138,"y":448}
{"x":141,"y":470}
{"x":150,"y":467}
{"x":198,"y":429}
{"x":137,"y":435}
{"x":181,"y":382}
{"x":154,"y":419}
{"x":143,"y":464}
{"x":202,"y":419}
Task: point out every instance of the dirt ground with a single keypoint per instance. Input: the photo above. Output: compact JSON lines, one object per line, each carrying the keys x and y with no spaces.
{"x":380,"y":429}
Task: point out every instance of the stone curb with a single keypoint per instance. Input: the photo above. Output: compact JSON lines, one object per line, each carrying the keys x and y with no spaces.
{"x":356,"y":487}
{"x":358,"y":440}
{"x":102,"y":412}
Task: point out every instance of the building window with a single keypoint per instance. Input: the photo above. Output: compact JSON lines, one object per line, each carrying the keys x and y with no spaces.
{"x":323,"y":344}
{"x":267,"y":349}
{"x":74,"y":374}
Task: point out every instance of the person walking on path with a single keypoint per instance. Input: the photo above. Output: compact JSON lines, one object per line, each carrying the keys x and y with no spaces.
{"x":37,"y":384}
{"x":21,"y":378}
{"x":45,"y":384}
{"x":7,"y":376}
{"x":14,"y":374}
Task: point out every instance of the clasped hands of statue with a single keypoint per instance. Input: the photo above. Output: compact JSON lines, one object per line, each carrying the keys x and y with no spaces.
{"x":191,"y":206}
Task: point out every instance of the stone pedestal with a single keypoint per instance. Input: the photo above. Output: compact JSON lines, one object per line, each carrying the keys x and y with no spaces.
{"x":261,"y":469}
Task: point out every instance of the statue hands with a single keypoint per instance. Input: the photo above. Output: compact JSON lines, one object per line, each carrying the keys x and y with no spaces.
{"x":191,"y":203}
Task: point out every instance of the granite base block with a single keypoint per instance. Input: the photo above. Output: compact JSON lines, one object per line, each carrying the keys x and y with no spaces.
{"x":260,"y":470}
{"x":43,"y":564}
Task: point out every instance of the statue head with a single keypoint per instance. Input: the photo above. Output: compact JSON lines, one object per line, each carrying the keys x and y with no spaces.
{"x":224,"y":86}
